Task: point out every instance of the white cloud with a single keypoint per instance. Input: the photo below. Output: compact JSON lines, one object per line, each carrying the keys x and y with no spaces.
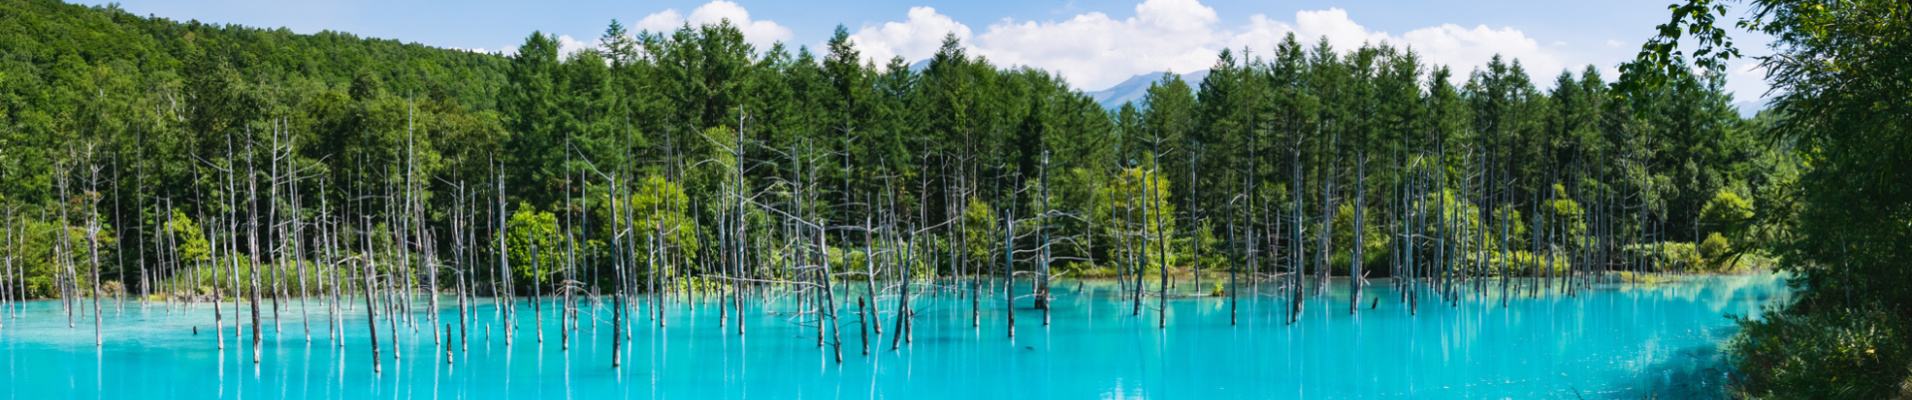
{"x":915,"y":39}
{"x":1261,"y":34}
{"x":1090,"y":50}
{"x":1463,"y":49}
{"x":1747,"y":80}
{"x":1614,"y":43}
{"x":664,"y":21}
{"x":1334,"y":24}
{"x":760,"y":34}
{"x":1451,"y":45}
{"x":1093,"y":50}
{"x":568,"y":45}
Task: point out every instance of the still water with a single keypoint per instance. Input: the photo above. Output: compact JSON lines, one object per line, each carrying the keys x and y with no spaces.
{"x":1613,"y":341}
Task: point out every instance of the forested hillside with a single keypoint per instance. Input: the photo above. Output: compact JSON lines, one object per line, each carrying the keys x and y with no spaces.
{"x":1839,"y":80}
{"x":148,"y":149}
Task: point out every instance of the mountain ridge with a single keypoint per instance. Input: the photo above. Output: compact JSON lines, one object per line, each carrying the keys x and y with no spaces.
{"x":1134,"y":88}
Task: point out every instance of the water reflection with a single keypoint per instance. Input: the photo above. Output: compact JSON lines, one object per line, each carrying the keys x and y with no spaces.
{"x":1615,"y":341}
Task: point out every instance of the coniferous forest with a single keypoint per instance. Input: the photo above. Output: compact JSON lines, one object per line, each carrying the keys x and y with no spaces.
{"x":157,"y":163}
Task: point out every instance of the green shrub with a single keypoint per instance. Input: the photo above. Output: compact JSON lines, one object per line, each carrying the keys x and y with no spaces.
{"x":41,"y":287}
{"x":1678,"y":254}
{"x":1863,"y":353}
{"x":1716,"y":254}
{"x":1642,"y":278}
{"x":1524,"y":263}
{"x":1726,"y":212}
{"x":1091,"y":271}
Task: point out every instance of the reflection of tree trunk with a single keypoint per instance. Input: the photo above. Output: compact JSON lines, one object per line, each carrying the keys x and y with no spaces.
{"x":537,"y":296}
{"x":617,"y":326}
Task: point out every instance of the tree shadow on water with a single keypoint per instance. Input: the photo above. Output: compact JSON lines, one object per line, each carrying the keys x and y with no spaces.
{"x":1698,"y":372}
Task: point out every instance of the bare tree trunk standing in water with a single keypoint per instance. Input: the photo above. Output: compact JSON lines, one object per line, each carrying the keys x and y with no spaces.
{"x":1009,"y":267}
{"x":504,"y":268}
{"x":93,"y":247}
{"x":1161,"y":243}
{"x":1354,"y":263}
{"x":1234,"y":295}
{"x":371,"y":319}
{"x":252,"y":240}
{"x":903,"y":302}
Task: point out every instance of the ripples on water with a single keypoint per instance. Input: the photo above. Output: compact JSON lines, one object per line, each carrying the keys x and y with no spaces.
{"x":1613,"y":342}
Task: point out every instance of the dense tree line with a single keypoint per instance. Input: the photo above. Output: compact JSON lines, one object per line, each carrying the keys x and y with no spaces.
{"x":1839,"y":81}
{"x":192,"y":164}
{"x":141,"y":123}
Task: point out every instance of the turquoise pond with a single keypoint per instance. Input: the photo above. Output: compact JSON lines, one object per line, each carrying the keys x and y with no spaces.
{"x":1612,"y":341}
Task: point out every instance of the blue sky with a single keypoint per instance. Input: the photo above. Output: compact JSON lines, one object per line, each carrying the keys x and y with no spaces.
{"x":1092,"y":43}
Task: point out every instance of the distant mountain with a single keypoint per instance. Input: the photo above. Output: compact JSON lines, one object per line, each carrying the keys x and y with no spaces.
{"x":1113,"y":97}
{"x":1133,"y":88}
{"x":1749,"y":108}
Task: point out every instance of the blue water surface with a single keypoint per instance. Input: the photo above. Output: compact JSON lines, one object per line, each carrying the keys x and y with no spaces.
{"x":1610,"y":341}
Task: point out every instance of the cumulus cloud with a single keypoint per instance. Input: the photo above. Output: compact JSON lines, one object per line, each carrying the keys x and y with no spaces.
{"x":1094,"y":50}
{"x":1335,"y":25}
{"x":1090,"y":49}
{"x":761,"y":34}
{"x":914,"y":39}
{"x":568,"y":45}
{"x":1261,"y":34}
{"x":1452,"y":45}
{"x":1747,"y":80}
{"x":1463,"y":48}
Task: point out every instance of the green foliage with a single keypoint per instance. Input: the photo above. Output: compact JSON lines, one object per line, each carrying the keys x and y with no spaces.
{"x":1640,"y":278}
{"x":1726,"y":213}
{"x":1168,"y":120}
{"x":685,"y":118}
{"x":980,"y":230}
{"x":1838,"y":76}
{"x":1133,"y":210}
{"x":535,"y":115}
{"x":1676,"y":254}
{"x":1565,"y":217}
{"x":1716,"y":253}
{"x":1838,"y":353}
{"x":192,"y":242}
{"x":656,"y":207}
{"x":1525,"y":263}
{"x":534,"y":232}
{"x":40,"y":287}
{"x":1375,"y":243}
